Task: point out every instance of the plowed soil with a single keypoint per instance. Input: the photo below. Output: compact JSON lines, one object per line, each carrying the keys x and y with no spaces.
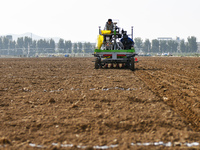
{"x":67,"y":101}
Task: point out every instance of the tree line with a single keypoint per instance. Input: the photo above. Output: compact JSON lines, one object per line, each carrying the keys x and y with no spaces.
{"x":28,"y":46}
{"x":66,"y":47}
{"x":165,"y":46}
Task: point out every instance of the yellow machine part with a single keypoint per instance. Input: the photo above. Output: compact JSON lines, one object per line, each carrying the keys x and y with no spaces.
{"x":99,"y":41}
{"x":105,"y":31}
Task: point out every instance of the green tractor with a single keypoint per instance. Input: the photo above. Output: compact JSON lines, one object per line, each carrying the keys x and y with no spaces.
{"x":115,"y":48}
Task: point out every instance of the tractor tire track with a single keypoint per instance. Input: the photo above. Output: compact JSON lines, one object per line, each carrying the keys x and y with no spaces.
{"x":173,"y":94}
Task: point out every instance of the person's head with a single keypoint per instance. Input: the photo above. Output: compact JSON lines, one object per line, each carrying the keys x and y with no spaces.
{"x":125,"y":36}
{"x":109,"y":21}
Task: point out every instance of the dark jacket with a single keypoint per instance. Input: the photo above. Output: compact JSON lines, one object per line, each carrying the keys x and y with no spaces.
{"x":127,"y":42}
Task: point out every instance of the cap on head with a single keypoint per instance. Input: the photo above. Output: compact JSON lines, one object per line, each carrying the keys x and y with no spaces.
{"x":109,"y":20}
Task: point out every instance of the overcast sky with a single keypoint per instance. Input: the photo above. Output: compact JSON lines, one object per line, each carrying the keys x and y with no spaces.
{"x":78,"y":20}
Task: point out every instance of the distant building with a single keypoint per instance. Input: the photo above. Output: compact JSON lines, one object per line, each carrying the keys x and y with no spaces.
{"x":9,"y":37}
{"x":165,"y":38}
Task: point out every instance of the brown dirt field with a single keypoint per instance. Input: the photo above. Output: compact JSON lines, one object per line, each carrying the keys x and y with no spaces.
{"x":67,"y":101}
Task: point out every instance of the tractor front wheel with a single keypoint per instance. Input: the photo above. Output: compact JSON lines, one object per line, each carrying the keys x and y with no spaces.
{"x":97,"y":63}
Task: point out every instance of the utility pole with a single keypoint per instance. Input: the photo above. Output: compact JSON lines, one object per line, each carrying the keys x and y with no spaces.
{"x":132,"y":32}
{"x":8,"y":47}
{"x":28,"y":50}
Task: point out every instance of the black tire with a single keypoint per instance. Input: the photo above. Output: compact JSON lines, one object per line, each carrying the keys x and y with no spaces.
{"x":97,"y":63}
{"x":132,"y":64}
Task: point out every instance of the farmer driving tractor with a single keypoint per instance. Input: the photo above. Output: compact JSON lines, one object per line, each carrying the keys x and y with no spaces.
{"x":109,"y":25}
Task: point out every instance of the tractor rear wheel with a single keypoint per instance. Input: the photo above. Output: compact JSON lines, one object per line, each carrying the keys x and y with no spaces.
{"x":132,"y":64}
